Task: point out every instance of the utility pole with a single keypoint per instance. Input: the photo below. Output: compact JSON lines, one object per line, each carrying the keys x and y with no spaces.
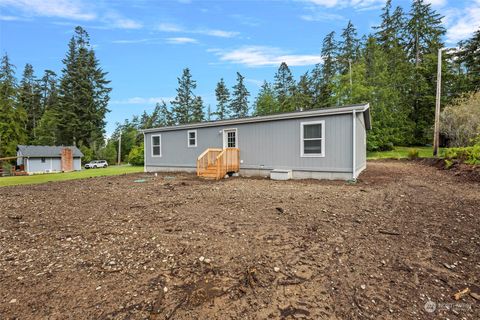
{"x":436,"y":134}
{"x":350,"y":71}
{"x":119,"y":149}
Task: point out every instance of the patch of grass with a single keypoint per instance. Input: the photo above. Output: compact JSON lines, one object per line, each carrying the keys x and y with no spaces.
{"x":402,"y":153}
{"x":47,"y":177}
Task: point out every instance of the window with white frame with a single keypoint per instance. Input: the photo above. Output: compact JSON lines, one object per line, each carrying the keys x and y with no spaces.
{"x":156,"y":146}
{"x":312,"y":139}
{"x":192,"y":138}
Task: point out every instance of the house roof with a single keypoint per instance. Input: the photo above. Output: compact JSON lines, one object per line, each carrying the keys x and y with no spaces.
{"x":46,"y":151}
{"x":273,"y":117}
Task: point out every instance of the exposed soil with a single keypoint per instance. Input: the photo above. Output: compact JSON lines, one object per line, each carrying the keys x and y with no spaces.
{"x":178,"y":247}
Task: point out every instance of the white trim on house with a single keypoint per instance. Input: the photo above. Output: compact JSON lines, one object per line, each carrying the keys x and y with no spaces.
{"x":188,"y":139}
{"x":225,"y":137}
{"x":144,"y":154}
{"x":159,"y":145}
{"x":354,"y":142}
{"x":302,"y":140}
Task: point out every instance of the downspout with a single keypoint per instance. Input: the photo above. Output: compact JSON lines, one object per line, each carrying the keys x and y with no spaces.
{"x":144,"y":153}
{"x":354,"y":144}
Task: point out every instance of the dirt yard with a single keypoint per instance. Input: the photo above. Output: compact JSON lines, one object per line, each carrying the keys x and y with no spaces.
{"x":177,"y":247}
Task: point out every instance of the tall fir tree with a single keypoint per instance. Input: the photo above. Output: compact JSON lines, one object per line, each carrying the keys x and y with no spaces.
{"x":83,"y":94}
{"x":327,"y":73}
{"x":303,"y":96}
{"x":185,"y":102}
{"x":284,"y":88}
{"x":468,"y":56}
{"x":348,"y":48}
{"x":223,"y":99}
{"x":424,"y":30}
{"x":13,"y":118}
{"x":239,"y":102}
{"x":265,"y":102}
{"x":198,"y":115}
{"x":47,"y":129}
{"x":29,"y":98}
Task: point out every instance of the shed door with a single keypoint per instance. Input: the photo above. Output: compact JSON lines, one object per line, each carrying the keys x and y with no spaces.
{"x":230,"y":138}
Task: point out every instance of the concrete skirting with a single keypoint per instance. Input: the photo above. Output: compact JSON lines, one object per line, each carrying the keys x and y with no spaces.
{"x":170,"y":169}
{"x":296,"y":174}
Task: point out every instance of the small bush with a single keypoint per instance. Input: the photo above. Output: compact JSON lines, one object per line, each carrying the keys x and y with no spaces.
{"x":135,"y":157}
{"x":413,"y":154}
{"x":448,"y":164}
{"x":469,"y":155}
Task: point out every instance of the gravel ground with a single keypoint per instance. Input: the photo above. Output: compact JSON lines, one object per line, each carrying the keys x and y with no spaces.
{"x":178,"y":247}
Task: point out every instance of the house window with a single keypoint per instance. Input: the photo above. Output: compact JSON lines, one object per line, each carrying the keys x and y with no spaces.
{"x":192,"y":138}
{"x":43,"y":160}
{"x":157,"y":146}
{"x":312,"y":139}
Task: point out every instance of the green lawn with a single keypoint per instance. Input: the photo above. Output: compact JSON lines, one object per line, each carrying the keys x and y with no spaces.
{"x":47,"y":177}
{"x":401,"y":153}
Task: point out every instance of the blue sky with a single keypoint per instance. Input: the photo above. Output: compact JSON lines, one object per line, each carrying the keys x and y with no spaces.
{"x":145,"y":44}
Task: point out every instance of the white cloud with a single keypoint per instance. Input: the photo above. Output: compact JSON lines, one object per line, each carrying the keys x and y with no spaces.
{"x":437,"y":3}
{"x":9,"y":18}
{"x":355,"y":4}
{"x":141,"y":100}
{"x":322,"y":16}
{"x":134,"y":41}
{"x":462,"y":23}
{"x":181,"y":40}
{"x":258,"y":56}
{"x":217,"y":33}
{"x":70,"y":9}
{"x":171,"y":27}
{"x":256,"y":82}
{"x":115,"y":20}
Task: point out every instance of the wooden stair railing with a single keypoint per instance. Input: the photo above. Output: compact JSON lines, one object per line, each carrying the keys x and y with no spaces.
{"x":216,"y":163}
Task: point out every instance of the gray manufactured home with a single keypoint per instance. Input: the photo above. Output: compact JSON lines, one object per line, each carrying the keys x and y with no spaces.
{"x":46,"y":159}
{"x":322,"y":144}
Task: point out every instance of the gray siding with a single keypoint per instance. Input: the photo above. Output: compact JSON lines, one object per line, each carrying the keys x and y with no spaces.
{"x":361,"y":143}
{"x":35,"y":165}
{"x":263,"y":145}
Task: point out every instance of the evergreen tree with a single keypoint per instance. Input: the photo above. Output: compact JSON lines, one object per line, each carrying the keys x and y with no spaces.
{"x":424,"y":30}
{"x":83,"y":95}
{"x":49,"y":90}
{"x":29,"y":99}
{"x":265,"y":103}
{"x":284,"y":87}
{"x":303,"y":96}
{"x":469,"y":58}
{"x":185,"y":102}
{"x":13,"y":117}
{"x":349,"y":48}
{"x":223,"y":98}
{"x":326,"y":76}
{"x":47,"y":132}
{"x":197,"y":110}
{"x":239,"y":102}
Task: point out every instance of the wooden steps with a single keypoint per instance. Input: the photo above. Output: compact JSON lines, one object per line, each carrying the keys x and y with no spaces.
{"x":215,"y":163}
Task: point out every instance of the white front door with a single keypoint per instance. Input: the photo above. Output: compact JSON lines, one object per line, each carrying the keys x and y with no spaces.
{"x":230,"y":138}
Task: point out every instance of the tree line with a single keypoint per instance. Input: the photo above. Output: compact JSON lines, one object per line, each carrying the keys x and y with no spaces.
{"x":394,"y":69}
{"x":68,"y":109}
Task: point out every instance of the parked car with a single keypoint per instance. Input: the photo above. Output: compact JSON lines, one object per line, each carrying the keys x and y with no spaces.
{"x":96,"y":164}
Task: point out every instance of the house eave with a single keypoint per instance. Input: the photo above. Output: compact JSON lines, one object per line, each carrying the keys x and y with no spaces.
{"x":274,"y":117}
